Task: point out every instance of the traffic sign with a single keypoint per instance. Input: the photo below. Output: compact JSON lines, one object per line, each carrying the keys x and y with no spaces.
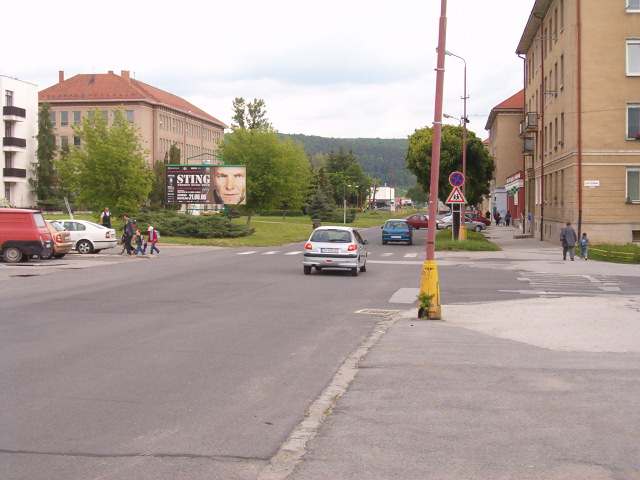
{"x":456,"y":196}
{"x":456,"y":179}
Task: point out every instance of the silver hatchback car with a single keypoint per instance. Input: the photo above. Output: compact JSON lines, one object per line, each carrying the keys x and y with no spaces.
{"x":335,"y":247}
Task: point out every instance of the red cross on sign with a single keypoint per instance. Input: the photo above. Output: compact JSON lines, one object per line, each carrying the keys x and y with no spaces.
{"x":456,"y":196}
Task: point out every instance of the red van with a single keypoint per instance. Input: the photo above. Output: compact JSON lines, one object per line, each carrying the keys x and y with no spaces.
{"x":23,"y":233}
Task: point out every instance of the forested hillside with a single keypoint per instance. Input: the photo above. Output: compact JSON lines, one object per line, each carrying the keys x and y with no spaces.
{"x":381,"y":158}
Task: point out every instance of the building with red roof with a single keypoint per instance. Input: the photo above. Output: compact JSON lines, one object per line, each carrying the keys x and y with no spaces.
{"x":163,"y":119}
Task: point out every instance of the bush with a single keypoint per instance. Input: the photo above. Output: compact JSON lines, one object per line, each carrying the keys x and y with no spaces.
{"x":173,"y":224}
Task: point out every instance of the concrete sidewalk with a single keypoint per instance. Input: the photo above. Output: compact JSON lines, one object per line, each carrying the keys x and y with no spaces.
{"x":534,"y":388}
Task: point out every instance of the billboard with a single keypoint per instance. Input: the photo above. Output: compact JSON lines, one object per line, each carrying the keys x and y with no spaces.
{"x":206,"y":184}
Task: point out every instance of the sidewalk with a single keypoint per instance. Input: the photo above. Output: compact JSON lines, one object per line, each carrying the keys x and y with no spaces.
{"x":534,"y":388}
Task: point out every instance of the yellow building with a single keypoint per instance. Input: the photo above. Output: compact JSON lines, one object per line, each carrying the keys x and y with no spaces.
{"x":163,"y":119}
{"x":581,"y":128}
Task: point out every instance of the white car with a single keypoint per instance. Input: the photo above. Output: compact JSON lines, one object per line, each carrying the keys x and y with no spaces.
{"x":447,"y":221}
{"x":335,"y":247}
{"x":89,"y":237}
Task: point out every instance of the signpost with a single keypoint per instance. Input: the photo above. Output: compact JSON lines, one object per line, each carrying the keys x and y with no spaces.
{"x":456,"y":199}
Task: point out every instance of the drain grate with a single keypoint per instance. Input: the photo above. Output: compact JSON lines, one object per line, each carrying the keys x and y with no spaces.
{"x":373,"y":311}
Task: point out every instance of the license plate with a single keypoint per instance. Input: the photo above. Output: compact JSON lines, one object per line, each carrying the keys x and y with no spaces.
{"x":396,"y":236}
{"x":329,"y":250}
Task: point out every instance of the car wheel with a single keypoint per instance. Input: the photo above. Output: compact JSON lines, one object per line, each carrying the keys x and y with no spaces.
{"x":307,"y":269}
{"x":410,"y":242}
{"x":318,"y":269}
{"x":477,"y":228}
{"x":12,"y":255}
{"x":384,"y":242}
{"x":354,"y":272}
{"x":97,"y":251}
{"x":59,"y":255}
{"x":363,"y":268}
{"x":84,"y":246}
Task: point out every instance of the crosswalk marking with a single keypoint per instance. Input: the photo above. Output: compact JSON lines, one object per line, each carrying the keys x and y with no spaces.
{"x":388,"y":254}
{"x":294,"y":253}
{"x":247,"y":253}
{"x":272,"y":252}
{"x":549,"y":285}
{"x":410,"y":255}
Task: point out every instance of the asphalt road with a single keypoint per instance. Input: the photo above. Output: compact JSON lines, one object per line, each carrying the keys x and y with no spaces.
{"x":194,"y":364}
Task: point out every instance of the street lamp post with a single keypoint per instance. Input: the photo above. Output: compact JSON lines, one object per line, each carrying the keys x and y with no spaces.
{"x":344,"y":200}
{"x":464,"y":120}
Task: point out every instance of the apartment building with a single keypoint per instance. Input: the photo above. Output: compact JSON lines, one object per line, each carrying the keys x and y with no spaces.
{"x":163,"y":119}
{"x":581,"y":128}
{"x":19,"y":126}
{"x":507,"y":186}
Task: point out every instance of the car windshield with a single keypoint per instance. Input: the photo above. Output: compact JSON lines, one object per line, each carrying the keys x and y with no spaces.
{"x":331,"y":236}
{"x":96,"y":225}
{"x":57,"y":226}
{"x":397,"y":225}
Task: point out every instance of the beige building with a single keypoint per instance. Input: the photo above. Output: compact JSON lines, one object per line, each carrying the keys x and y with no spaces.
{"x":581,"y":128}
{"x":163,"y":119}
{"x":507,"y":186}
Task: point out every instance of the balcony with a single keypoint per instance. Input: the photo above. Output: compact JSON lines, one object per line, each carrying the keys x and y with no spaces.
{"x":528,"y":146}
{"x":13,"y":114}
{"x":530,"y":123}
{"x":14,"y":172}
{"x":13,"y":142}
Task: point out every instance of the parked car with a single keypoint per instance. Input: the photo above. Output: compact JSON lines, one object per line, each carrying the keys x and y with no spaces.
{"x":61,"y":240}
{"x":418,"y":220}
{"x":447,"y":221}
{"x":476,"y":217}
{"x":335,"y":247}
{"x":397,"y":230}
{"x":89,"y":237}
{"x":23,"y":233}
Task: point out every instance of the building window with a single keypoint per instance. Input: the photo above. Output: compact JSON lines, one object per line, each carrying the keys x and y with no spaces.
{"x":561,"y":87}
{"x":76,"y":141}
{"x":8,"y":159}
{"x":52,"y":116}
{"x":76,"y":118}
{"x":105,"y":115}
{"x":633,"y":5}
{"x":633,"y":184}
{"x":8,"y":129}
{"x":633,"y":57}
{"x":129,"y":114}
{"x":64,"y":118}
{"x":633,"y":121}
{"x":64,"y":142}
{"x":8,"y":98}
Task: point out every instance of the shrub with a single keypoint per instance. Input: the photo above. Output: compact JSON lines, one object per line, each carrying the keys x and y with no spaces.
{"x":173,"y":224}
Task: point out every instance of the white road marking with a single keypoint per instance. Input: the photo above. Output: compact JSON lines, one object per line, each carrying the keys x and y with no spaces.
{"x":247,"y":253}
{"x":272,"y":252}
{"x":294,"y":253}
{"x":410,"y":255}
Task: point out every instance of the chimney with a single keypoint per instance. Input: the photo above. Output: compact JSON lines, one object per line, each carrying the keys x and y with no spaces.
{"x":125,"y":74}
{"x":110,"y":72}
{"x":60,"y":76}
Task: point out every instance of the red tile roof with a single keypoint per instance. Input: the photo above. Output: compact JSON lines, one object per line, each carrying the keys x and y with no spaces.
{"x":514,"y":103}
{"x":112,"y":87}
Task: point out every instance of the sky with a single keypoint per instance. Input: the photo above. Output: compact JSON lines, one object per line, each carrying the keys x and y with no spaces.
{"x":337,"y":68}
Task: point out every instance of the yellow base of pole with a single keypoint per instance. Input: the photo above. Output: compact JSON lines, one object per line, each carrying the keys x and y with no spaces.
{"x":462,"y":236}
{"x":430,"y":286}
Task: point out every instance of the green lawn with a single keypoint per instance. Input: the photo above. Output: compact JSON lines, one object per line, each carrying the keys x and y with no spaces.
{"x":628,"y":253}
{"x":475,"y":242}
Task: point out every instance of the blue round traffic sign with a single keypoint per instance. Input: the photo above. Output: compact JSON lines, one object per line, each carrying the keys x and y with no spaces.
{"x":456,"y":179}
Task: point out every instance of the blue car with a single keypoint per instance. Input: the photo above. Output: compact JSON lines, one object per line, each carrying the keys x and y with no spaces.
{"x":397,"y":231}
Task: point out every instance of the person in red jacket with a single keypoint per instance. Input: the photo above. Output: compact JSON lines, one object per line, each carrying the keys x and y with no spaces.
{"x":152,"y":240}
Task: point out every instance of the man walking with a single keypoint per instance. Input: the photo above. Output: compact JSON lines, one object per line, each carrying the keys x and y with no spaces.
{"x":568,"y":237}
{"x":105,"y":217}
{"x":129,"y":232}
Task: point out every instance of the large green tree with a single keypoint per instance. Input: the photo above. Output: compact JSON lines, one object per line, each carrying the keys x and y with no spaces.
{"x":278,"y":171}
{"x":249,"y":116}
{"x":479,"y":164}
{"x":43,"y":183}
{"x":109,"y":167}
{"x":346,"y":177}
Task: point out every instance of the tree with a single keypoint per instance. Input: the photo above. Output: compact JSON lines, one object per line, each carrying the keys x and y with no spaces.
{"x":109,"y":168}
{"x":43,"y":183}
{"x":480,"y":165}
{"x":249,"y":116}
{"x":278,"y":172}
{"x":158,"y":192}
{"x":346,"y":177}
{"x":417,"y":194}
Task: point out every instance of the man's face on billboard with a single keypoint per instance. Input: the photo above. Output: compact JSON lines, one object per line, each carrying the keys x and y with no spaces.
{"x":230,"y":184}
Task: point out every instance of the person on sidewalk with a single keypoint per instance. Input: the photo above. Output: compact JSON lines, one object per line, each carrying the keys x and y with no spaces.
{"x":488,"y":215}
{"x":584,"y":247}
{"x":568,"y":237}
{"x":152,"y":240}
{"x":507,"y":218}
{"x":139,"y":240}
{"x":105,"y":218}
{"x":497,"y":217}
{"x":128,"y":233}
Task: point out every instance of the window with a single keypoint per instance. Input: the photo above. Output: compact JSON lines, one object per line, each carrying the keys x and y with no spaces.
{"x":64,"y":142}
{"x":561,"y":87}
{"x":633,"y":5}
{"x":76,"y":118}
{"x":129,"y":114}
{"x":76,"y":141}
{"x":52,"y":116}
{"x":8,"y":98}
{"x":8,"y":159}
{"x":633,"y":184}
{"x":64,"y":118}
{"x":633,"y":56}
{"x":633,"y":121}
{"x":8,"y":129}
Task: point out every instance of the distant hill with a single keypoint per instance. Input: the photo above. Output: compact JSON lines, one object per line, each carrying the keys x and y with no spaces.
{"x":382,"y":158}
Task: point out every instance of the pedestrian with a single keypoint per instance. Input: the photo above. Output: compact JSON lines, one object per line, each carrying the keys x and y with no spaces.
{"x":128,"y":234}
{"x":507,"y":218}
{"x":488,"y":215}
{"x":105,"y":218}
{"x":139,"y":240}
{"x":529,"y":221}
{"x":497,"y":217}
{"x":584,"y":247}
{"x":152,"y":240}
{"x":568,"y":237}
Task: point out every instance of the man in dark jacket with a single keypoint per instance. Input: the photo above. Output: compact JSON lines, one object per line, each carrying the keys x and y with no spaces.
{"x":128,"y":233}
{"x":568,"y":237}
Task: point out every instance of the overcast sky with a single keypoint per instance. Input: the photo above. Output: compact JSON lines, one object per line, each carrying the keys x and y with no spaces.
{"x":336,"y":68}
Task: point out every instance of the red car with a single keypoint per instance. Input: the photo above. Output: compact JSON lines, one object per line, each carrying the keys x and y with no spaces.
{"x":418,"y":220}
{"x":478,"y":218}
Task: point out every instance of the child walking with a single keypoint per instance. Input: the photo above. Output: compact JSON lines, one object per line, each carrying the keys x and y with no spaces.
{"x":138,"y":238}
{"x":152,"y":240}
{"x":584,"y":246}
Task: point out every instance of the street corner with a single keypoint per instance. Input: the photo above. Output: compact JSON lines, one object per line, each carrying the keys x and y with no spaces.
{"x":574,"y":324}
